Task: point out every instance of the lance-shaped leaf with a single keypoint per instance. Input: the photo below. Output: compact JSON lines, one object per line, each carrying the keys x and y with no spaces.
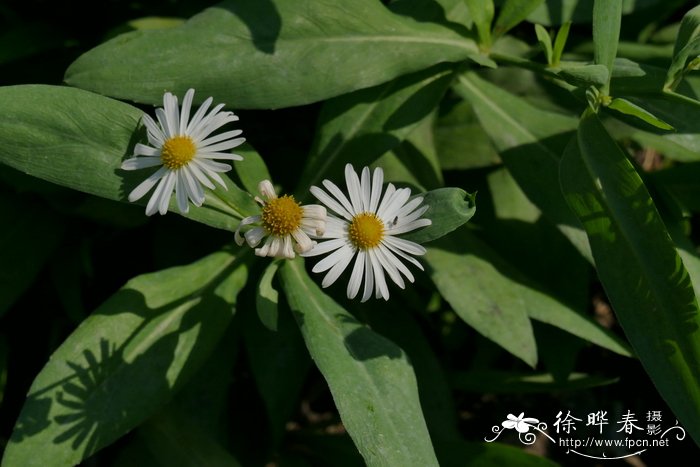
{"x":125,"y":361}
{"x":607,"y":17}
{"x":512,"y":13}
{"x":629,"y":108}
{"x":687,"y":47}
{"x":269,"y":54}
{"x":361,"y":126}
{"x":370,"y":377}
{"x":79,"y":139}
{"x":449,"y":209}
{"x":641,"y":271}
{"x":529,"y":141}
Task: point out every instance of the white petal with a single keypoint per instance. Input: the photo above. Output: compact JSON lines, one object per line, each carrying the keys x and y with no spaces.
{"x":223,"y":146}
{"x":163,"y":121}
{"x":369,"y":280}
{"x":167,"y":192}
{"x":275,"y":247}
{"x":392,"y":208}
{"x":267,"y":190}
{"x":185,"y":113}
{"x":377,"y":180}
{"x":332,"y":204}
{"x":219,"y":137}
{"x":411,"y":205}
{"x":405,"y":245}
{"x":198,"y":115}
{"x":153,"y":202}
{"x":287,"y":249}
{"x":266,"y":247}
{"x":356,"y":276}
{"x":396,"y":262}
{"x":389,"y":266}
{"x":353,"y":183}
{"x":403,"y":255}
{"x":315,"y":211}
{"x":136,"y":163}
{"x":181,"y":192}
{"x":199,"y":175}
{"x":408,"y":227}
{"x":143,"y":150}
{"x":213,"y":165}
{"x":388,"y":195}
{"x":339,"y":195}
{"x":247,"y":221}
{"x":336,"y":228}
{"x":313,"y":228}
{"x":155,"y":133}
{"x":335,"y":257}
{"x":338,"y":267}
{"x":172,"y":113}
{"x":365,"y":189}
{"x":380,"y":287}
{"x":145,"y":186}
{"x":193,"y":187}
{"x":322,"y":248}
{"x":303,"y":241}
{"x":220,"y":155}
{"x":254,"y":236}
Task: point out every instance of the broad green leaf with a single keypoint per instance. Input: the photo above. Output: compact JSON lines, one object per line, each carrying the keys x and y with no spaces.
{"x":252,"y":170}
{"x":687,"y":47}
{"x":629,"y":108}
{"x":529,"y":141}
{"x":545,"y":42}
{"x":581,"y":74}
{"x":79,"y":139}
{"x":30,"y":234}
{"x":512,"y":13}
{"x":486,"y":300}
{"x":481,"y":12}
{"x":505,"y":382}
{"x":370,"y":377}
{"x":560,"y":42}
{"x":273,"y":54}
{"x":267,"y":298}
{"x":361,"y":126}
{"x":392,"y":321}
{"x":607,"y":17}
{"x":449,"y":209}
{"x":125,"y":361}
{"x":460,"y":140}
{"x":280,"y":363}
{"x":643,"y":275}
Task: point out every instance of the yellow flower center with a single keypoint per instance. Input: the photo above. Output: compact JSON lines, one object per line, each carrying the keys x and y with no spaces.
{"x":282,"y":216}
{"x":177,"y":152}
{"x":366,"y":231}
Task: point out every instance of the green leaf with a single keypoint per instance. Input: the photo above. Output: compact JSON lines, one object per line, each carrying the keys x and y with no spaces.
{"x":480,"y":295}
{"x":461,"y":141}
{"x":506,"y":382}
{"x":280,"y":364}
{"x":267,"y":298}
{"x":687,"y":47}
{"x":471,"y":454}
{"x":529,"y":141}
{"x":643,"y":275}
{"x":125,"y":361}
{"x":449,"y":209}
{"x":30,"y":235}
{"x":582,"y":75}
{"x":512,"y":13}
{"x":79,"y":139}
{"x":272,"y":54}
{"x":370,"y":378}
{"x":607,"y":17}
{"x":252,"y":170}
{"x":629,"y":108}
{"x":683,"y":182}
{"x":560,"y":42}
{"x":545,"y":42}
{"x":361,"y":126}
{"x":481,"y":12}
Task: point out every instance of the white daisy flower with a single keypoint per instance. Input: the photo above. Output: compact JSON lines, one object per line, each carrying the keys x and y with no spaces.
{"x":284,"y":222}
{"x":184,"y":151}
{"x":366,"y":230}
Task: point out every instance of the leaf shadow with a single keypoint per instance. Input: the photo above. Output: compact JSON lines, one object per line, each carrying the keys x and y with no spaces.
{"x":116,"y":387}
{"x":131,"y":178}
{"x":363,"y":344}
{"x":428,"y":11}
{"x":262,"y":19}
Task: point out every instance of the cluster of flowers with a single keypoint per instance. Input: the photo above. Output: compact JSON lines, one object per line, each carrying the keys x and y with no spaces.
{"x":363,"y":225}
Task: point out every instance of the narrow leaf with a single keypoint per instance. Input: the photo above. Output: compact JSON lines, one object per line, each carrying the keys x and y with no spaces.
{"x":560,"y":42}
{"x":545,"y":42}
{"x":370,"y":378}
{"x":361,"y":126}
{"x":629,"y":108}
{"x":512,"y":13}
{"x":449,"y":209}
{"x":607,"y":17}
{"x":293,"y":52}
{"x":687,"y":46}
{"x":643,"y":275}
{"x":125,"y":361}
{"x":481,"y":12}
